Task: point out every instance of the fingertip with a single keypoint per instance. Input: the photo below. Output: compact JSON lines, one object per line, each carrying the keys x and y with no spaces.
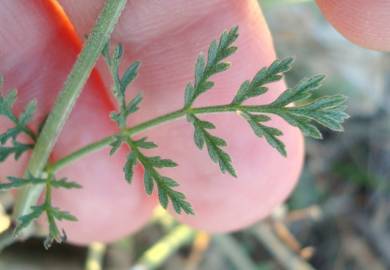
{"x":365,"y":23}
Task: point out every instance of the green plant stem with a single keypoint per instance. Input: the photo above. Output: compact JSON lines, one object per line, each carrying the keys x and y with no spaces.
{"x":169,"y":117}
{"x":66,"y":100}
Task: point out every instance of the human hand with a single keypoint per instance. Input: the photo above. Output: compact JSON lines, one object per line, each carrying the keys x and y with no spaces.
{"x":37,"y":52}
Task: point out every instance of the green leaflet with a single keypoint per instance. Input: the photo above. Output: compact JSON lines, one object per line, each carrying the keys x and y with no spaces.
{"x":64,"y":183}
{"x":9,"y":145}
{"x":115,"y":145}
{"x":121,"y":84}
{"x":152,"y":177}
{"x":20,"y":123}
{"x":326,"y":111}
{"x":26,"y":220}
{"x":52,"y":213}
{"x":217,"y":52}
{"x":301,"y":91}
{"x":17,"y":182}
{"x":16,"y":149}
{"x":129,"y":166}
{"x":55,"y":234}
{"x":125,"y":110}
{"x":214,"y":144}
{"x":266,"y":75}
{"x":269,"y":133}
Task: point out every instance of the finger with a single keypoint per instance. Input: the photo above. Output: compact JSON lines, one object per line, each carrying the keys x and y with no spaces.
{"x":166,"y":37}
{"x":37,"y":52}
{"x":365,"y":23}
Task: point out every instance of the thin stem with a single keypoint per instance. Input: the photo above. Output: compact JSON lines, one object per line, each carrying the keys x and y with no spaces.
{"x":90,"y":148}
{"x":169,"y":117}
{"x":66,"y":100}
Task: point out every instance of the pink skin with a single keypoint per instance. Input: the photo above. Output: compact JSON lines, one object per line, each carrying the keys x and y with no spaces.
{"x":366,"y":23}
{"x":107,"y":207}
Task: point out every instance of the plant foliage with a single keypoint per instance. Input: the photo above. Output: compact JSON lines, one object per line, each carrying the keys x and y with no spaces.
{"x":53,"y":214}
{"x":9,"y":144}
{"x":296,"y":105}
{"x":326,"y":111}
{"x":151,"y":165}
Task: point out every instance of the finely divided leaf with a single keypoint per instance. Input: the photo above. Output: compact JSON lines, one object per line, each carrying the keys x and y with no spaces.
{"x":199,"y":69}
{"x":121,"y":85}
{"x":28,"y":113}
{"x":214,"y":144}
{"x":145,"y":144}
{"x":132,"y":106}
{"x":130,"y":74}
{"x":148,"y":181}
{"x":26,"y":220}
{"x":62,"y":215}
{"x":326,"y":111}
{"x":217,"y":52}
{"x":152,"y":176}
{"x":303,"y":90}
{"x":6,"y":105}
{"x":65,"y":183}
{"x":16,"y":182}
{"x":151,"y":165}
{"x":53,"y":214}
{"x":305,"y":126}
{"x":17,"y":149}
{"x":115,"y":144}
{"x":158,"y":162}
{"x":266,"y":75}
{"x":129,"y":166}
{"x":9,"y":134}
{"x":269,"y":133}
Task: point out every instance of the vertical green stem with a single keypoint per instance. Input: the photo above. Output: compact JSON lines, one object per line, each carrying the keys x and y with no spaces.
{"x":66,"y":100}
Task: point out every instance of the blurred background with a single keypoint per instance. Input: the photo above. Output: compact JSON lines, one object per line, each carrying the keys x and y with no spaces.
{"x":338,"y":216}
